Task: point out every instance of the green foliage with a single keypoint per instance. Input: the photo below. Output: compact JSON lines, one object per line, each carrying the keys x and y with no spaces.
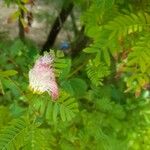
{"x":127,"y":24}
{"x":36,"y":139}
{"x":6,"y":75}
{"x":104,"y":95}
{"x":75,"y":86}
{"x":62,"y":66}
{"x":11,"y":136}
{"x":96,"y":71}
{"x":66,"y":108}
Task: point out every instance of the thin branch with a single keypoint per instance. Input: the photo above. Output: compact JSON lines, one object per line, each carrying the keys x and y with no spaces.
{"x":58,"y":23}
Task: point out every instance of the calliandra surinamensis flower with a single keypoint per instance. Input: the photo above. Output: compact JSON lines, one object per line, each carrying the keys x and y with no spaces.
{"x":42,"y":77}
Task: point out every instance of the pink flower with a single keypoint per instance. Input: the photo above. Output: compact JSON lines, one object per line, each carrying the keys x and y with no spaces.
{"x":42,"y":77}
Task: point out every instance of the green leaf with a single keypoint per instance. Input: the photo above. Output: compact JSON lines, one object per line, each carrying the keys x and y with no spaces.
{"x":75,"y":86}
{"x":67,"y":87}
{"x":37,"y":139}
{"x":24,"y":23}
{"x":49,"y":110}
{"x":15,"y":15}
{"x":62,"y":67}
{"x":8,"y":73}
{"x":91,"y":50}
{"x":55,"y":112}
{"x":79,"y":86}
{"x":68,"y":109}
{"x":106,"y":56}
{"x":10,"y":134}
{"x":96,"y":71}
{"x":62,"y":113}
{"x":126,"y":24}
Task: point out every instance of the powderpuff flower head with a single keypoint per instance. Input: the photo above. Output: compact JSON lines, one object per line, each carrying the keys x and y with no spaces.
{"x":42,"y":77}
